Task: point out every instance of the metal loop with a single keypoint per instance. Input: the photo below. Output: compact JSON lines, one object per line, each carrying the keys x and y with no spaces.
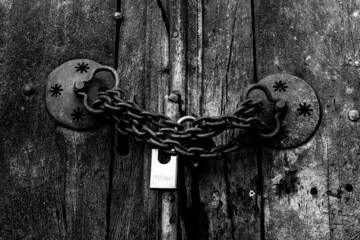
{"x":161,"y":132}
{"x":180,"y":136}
{"x":172,"y":142}
{"x":183,"y":152}
{"x":87,"y":105}
{"x":276,"y":129}
{"x":186,"y":119}
{"x":105,"y":68}
{"x":158,"y":144}
{"x":208,"y":134}
{"x":138,"y":132}
{"x":262,"y":88}
{"x":112,"y":107}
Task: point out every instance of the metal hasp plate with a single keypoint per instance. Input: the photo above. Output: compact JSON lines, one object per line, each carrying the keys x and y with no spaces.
{"x":303,"y":109}
{"x":61,"y":100}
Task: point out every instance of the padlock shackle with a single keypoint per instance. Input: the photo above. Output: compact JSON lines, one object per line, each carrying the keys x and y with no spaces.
{"x":186,"y":119}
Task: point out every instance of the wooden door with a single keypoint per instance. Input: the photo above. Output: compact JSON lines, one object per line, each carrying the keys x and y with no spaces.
{"x":58,"y":183}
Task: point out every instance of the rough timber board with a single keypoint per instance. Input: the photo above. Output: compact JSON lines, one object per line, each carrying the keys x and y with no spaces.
{"x":312,"y":191}
{"x":143,"y":68}
{"x":54,"y":181}
{"x":220,"y":67}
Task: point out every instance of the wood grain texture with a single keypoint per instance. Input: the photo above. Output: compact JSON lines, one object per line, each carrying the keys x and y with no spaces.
{"x":312,"y":190}
{"x":220,"y":67}
{"x":170,"y":219}
{"x":144,"y":73}
{"x":217,"y":204}
{"x":53,"y":180}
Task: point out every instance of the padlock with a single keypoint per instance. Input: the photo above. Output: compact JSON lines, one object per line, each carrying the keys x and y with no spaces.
{"x":163,"y":175}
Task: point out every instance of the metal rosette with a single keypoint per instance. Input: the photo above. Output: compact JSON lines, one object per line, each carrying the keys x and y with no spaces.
{"x":61,"y":100}
{"x":303,"y":111}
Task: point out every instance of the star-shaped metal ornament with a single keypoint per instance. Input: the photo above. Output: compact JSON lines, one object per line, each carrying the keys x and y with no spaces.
{"x":305,"y":109}
{"x":78,"y":115}
{"x":280,"y":86}
{"x":284,"y":132}
{"x":56,"y":90}
{"x":259,"y":109}
{"x":82,"y":67}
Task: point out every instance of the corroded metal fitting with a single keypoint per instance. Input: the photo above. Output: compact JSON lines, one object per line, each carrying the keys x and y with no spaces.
{"x":354,"y":115}
{"x":118,"y":15}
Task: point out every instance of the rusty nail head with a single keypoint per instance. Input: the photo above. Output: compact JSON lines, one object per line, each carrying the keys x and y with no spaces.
{"x":28,"y":89}
{"x":79,"y":85}
{"x":118,"y":15}
{"x":171,"y":197}
{"x":173,"y":98}
{"x":354,"y":115}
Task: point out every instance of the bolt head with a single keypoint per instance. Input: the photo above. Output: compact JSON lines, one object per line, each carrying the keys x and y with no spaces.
{"x":118,"y":15}
{"x":173,"y":98}
{"x":171,"y":197}
{"x":79,"y":85}
{"x":280,"y":105}
{"x":28,"y":89}
{"x":175,"y":34}
{"x":251,"y":193}
{"x":354,"y":115}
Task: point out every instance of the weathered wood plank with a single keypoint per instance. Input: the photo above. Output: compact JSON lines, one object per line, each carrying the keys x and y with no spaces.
{"x":143,"y":68}
{"x":170,"y":219}
{"x":54,"y":180}
{"x":312,"y":189}
{"x":220,"y":67}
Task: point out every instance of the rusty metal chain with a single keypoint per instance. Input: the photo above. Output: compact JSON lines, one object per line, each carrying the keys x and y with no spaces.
{"x":173,"y":138}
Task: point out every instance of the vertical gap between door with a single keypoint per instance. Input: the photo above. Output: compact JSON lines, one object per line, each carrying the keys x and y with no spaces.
{"x":253,"y":28}
{"x":259,"y":154}
{"x":113,"y":130}
{"x":109,"y":196}
{"x":261,"y":187}
{"x":117,"y":35}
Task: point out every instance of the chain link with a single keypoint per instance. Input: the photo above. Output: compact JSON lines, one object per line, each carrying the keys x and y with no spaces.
{"x":173,"y":138}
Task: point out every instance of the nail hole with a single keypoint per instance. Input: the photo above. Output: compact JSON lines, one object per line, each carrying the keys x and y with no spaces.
{"x":314,"y":191}
{"x":349,"y":187}
{"x":251,"y":193}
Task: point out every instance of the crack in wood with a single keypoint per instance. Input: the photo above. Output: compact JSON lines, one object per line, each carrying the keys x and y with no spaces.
{"x":164,"y":15}
{"x":230,"y":52}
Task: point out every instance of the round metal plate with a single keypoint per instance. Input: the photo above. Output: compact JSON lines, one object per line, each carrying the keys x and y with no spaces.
{"x":303,"y":109}
{"x":62,"y":102}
